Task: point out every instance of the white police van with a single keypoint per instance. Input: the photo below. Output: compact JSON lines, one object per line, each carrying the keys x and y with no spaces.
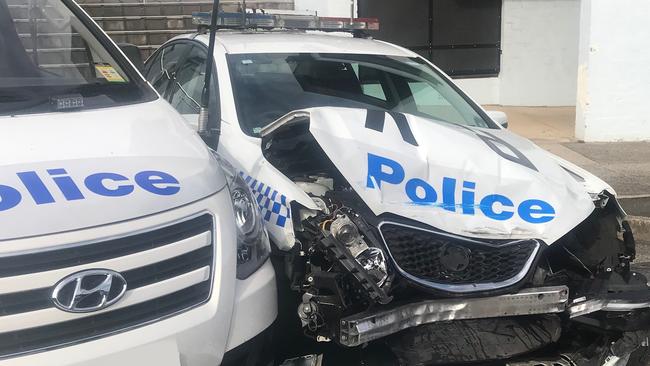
{"x":406,"y":219}
{"x":122,"y":241}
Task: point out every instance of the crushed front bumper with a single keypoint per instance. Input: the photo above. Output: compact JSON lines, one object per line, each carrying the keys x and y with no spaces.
{"x":361,"y":328}
{"x":364,"y":327}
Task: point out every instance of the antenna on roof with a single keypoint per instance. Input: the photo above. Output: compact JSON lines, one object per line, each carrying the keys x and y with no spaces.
{"x":204,"y":114}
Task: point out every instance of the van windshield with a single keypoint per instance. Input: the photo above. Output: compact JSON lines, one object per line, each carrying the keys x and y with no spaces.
{"x":268,"y":86}
{"x":51,"y":60}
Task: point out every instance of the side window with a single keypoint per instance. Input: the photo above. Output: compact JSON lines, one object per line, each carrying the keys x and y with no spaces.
{"x":185,"y":93}
{"x":162,"y":67}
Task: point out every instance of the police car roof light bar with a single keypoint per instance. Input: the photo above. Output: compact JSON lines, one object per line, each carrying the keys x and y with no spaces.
{"x":254,"y":20}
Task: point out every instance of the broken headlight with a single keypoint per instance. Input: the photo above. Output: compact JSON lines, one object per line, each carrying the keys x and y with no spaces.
{"x":371,"y":259}
{"x":253,"y":247}
{"x":374,"y":262}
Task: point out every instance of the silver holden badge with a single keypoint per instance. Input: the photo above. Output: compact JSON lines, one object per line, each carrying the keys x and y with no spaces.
{"x":89,"y":291}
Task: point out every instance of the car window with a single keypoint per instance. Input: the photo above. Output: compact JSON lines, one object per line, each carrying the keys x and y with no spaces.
{"x":50,"y":51}
{"x":268,"y":86}
{"x":162,"y":67}
{"x":371,"y":81}
{"x":186,"y":90}
{"x":428,"y":100}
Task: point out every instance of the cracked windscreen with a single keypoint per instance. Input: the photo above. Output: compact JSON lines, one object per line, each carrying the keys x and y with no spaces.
{"x":48,"y":55}
{"x":268,"y":86}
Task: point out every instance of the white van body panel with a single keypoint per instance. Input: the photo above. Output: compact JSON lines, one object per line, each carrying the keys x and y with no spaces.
{"x":123,"y":140}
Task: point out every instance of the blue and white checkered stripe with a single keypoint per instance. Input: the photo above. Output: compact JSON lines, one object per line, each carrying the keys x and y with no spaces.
{"x":272,"y":204}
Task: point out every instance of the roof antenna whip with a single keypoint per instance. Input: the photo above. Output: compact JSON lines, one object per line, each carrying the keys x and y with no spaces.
{"x":204,"y":117}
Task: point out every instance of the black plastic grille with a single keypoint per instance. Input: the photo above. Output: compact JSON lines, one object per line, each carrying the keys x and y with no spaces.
{"x":448,"y":260}
{"x":95,"y":252}
{"x":84,"y":329}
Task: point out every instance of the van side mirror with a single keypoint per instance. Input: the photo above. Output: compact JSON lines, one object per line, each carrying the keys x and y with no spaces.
{"x":499,"y":117}
{"x":133,"y":53}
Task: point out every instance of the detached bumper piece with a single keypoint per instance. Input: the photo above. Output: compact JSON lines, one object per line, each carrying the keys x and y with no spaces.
{"x":361,"y":328}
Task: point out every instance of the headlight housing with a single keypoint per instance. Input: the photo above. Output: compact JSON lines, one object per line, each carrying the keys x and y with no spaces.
{"x":253,"y":247}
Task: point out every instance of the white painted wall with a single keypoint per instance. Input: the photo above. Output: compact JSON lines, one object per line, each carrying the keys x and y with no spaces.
{"x":482,"y":90}
{"x":614,"y":71}
{"x":328,"y":8}
{"x":540,"y":52}
{"x":539,"y":60}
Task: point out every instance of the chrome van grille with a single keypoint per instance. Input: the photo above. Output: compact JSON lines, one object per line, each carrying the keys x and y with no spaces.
{"x":168,"y":270}
{"x":457,"y":264}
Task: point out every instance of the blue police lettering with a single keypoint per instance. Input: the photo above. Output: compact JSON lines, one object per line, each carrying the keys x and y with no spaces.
{"x":157,"y":183}
{"x":9,"y":197}
{"x":36,"y":187}
{"x":494,"y":206}
{"x":66,"y":185}
{"x":536,"y":211}
{"x":105,"y":184}
{"x":96,"y":183}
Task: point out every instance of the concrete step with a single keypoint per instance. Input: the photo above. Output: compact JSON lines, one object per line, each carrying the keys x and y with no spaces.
{"x":259,"y":4}
{"x":52,"y":40}
{"x":42,"y":26}
{"x":135,"y":23}
{"x":21,"y":10}
{"x":641,"y":229}
{"x":59,"y":56}
{"x":139,"y":23}
{"x":638,"y":205}
{"x":147,"y":37}
{"x":131,"y":9}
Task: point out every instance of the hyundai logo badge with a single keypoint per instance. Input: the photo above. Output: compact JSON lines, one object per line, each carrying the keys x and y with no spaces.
{"x":89,"y":291}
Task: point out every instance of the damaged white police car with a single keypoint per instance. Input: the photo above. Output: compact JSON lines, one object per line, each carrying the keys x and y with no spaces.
{"x":403,"y":214}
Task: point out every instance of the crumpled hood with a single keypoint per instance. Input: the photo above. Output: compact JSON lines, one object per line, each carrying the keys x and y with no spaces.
{"x":475,"y":182}
{"x":68,"y":171}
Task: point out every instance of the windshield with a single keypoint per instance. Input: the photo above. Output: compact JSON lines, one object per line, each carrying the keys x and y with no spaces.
{"x":268,"y":86}
{"x":50,"y":61}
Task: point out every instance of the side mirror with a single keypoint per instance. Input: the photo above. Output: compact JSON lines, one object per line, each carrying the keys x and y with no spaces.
{"x":499,"y":117}
{"x":133,"y":53}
